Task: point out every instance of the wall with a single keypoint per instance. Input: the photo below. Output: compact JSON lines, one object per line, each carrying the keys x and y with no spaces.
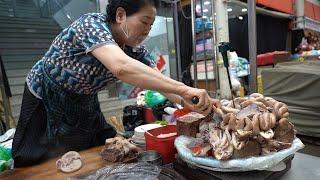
{"x":283,"y":5}
{"x":311,"y":7}
{"x":74,"y":9}
{"x":312,"y":10}
{"x":103,"y":5}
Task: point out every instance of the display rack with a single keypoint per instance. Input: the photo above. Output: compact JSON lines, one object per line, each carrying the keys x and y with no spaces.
{"x":203,"y":44}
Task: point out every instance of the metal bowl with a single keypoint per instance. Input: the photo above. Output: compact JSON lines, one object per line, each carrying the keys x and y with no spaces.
{"x":150,"y":156}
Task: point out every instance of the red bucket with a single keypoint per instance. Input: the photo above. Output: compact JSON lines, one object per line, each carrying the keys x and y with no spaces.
{"x":148,"y":115}
{"x":164,"y":145}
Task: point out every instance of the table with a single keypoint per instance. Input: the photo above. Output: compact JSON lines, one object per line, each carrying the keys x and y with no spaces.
{"x":47,"y":170}
{"x":304,"y":167}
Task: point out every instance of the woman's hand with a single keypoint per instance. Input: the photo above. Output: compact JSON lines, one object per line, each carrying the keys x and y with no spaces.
{"x":205,"y":104}
{"x":216,"y":103}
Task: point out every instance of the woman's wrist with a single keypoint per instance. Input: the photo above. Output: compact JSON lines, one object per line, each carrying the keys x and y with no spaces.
{"x":181,"y":89}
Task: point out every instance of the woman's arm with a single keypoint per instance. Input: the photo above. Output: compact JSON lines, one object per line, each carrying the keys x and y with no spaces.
{"x":136,"y":73}
{"x":179,"y":100}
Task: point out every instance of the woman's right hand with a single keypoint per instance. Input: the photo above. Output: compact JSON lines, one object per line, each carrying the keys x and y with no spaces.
{"x":204,"y":106}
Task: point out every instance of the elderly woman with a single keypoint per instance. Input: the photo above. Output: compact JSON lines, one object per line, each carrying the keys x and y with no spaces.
{"x":60,"y":108}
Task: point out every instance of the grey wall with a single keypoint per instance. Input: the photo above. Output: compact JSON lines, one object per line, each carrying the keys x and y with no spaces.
{"x":74,"y":9}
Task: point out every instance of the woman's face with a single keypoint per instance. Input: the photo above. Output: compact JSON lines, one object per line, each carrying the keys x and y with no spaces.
{"x":138,"y":25}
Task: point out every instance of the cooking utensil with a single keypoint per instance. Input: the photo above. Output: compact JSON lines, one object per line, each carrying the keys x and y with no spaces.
{"x":150,"y":156}
{"x":224,"y":47}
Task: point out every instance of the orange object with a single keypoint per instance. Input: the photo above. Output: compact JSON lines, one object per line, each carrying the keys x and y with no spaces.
{"x":311,"y":10}
{"x":308,"y":10}
{"x":161,"y":62}
{"x":181,"y":112}
{"x":317,"y":13}
{"x":196,"y":149}
{"x":283,"y":5}
{"x":165,"y":146}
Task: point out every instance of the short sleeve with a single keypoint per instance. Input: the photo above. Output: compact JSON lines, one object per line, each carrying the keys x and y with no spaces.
{"x":93,"y":32}
{"x":141,"y":54}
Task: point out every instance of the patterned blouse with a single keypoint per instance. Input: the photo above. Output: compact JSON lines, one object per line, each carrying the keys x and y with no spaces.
{"x":69,"y":63}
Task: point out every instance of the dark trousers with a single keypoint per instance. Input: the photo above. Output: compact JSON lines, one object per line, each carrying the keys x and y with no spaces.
{"x":59,"y":123}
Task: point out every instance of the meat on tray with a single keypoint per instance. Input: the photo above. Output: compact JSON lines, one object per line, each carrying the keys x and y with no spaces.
{"x":116,"y":149}
{"x":248,"y":126}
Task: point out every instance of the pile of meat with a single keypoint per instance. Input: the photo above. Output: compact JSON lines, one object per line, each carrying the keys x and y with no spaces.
{"x":116,"y":149}
{"x":245,"y":127}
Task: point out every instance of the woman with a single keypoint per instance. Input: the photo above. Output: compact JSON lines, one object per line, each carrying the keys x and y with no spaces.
{"x":60,"y":109}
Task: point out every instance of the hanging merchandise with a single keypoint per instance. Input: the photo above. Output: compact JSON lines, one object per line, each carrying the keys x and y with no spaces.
{"x":242,"y":67}
{"x":239,"y":66}
{"x":203,"y":23}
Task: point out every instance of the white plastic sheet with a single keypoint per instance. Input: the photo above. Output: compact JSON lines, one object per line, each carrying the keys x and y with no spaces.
{"x":267,"y":162}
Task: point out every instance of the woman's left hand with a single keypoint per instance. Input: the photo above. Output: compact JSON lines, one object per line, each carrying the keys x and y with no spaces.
{"x":216,"y":103}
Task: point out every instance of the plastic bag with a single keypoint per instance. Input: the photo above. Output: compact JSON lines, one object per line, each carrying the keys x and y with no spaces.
{"x":133,"y":116}
{"x":133,"y":171}
{"x":267,"y":162}
{"x":6,"y":161}
{"x":153,"y":98}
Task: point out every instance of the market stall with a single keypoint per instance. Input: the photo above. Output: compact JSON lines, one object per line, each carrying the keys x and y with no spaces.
{"x":296,"y":84}
{"x":244,"y":137}
{"x":261,"y":150}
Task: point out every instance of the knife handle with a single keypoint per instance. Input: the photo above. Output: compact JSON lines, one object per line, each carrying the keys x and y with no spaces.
{"x":195,"y":100}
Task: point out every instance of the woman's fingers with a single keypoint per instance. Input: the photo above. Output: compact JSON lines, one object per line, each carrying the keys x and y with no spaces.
{"x":205,"y":104}
{"x":207,"y":111}
{"x":216,"y":103}
{"x":208,"y":108}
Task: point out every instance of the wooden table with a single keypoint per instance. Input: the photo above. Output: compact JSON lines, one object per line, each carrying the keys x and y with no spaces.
{"x":47,"y":170}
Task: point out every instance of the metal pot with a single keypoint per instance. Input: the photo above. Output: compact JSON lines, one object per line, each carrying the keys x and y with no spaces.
{"x":150,"y":156}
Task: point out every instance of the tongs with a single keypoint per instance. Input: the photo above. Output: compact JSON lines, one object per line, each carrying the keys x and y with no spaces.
{"x":224,"y":47}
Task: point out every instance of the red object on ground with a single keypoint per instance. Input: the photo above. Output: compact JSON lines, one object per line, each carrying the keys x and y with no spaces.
{"x":165,"y":146}
{"x":148,"y":115}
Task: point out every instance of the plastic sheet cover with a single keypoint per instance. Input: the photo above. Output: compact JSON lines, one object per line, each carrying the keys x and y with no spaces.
{"x":297,"y":84}
{"x":132,"y":171}
{"x":267,"y":162}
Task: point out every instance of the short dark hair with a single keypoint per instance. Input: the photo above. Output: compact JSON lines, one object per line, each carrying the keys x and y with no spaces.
{"x":130,"y":6}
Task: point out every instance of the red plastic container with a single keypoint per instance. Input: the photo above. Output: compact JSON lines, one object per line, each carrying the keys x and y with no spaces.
{"x":148,"y":115}
{"x":165,"y":146}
